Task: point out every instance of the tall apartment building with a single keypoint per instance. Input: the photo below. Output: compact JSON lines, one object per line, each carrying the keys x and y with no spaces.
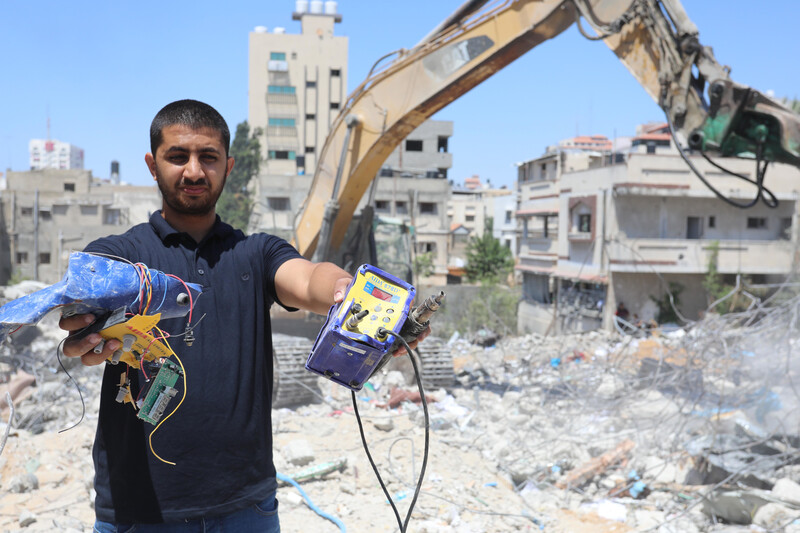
{"x":46,"y":214}
{"x":52,"y":153}
{"x":298,"y":83}
{"x":599,"y":230}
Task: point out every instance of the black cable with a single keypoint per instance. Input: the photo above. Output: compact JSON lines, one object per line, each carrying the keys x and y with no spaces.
{"x":761,"y":193}
{"x":83,"y":403}
{"x":404,"y":524}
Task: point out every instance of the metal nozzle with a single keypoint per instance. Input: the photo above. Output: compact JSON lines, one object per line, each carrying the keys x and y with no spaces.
{"x":431,"y":304}
{"x":353,"y":321}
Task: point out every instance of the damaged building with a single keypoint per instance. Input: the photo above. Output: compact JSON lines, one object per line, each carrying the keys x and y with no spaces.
{"x":633,"y":224}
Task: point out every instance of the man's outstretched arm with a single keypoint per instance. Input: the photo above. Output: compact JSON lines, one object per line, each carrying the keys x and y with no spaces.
{"x":316,"y":287}
{"x":311,"y":286}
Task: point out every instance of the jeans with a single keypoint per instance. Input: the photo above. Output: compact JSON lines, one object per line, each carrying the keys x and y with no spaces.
{"x":259,"y":518}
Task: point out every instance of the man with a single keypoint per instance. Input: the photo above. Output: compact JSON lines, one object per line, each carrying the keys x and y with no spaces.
{"x":220,"y":439}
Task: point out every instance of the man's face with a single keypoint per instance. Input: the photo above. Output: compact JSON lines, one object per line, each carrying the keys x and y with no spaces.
{"x":190,"y":168}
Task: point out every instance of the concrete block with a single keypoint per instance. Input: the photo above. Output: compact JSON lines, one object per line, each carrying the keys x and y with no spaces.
{"x":298,"y":452}
{"x":787,"y":490}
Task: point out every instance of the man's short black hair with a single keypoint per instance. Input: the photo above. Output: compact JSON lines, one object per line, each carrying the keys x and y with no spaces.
{"x":190,"y":113}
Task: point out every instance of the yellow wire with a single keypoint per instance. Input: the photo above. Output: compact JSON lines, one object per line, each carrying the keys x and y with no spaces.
{"x":176,"y":407}
{"x":149,"y":285}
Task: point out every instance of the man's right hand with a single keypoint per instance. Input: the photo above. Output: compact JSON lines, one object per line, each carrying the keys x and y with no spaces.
{"x":84,"y":347}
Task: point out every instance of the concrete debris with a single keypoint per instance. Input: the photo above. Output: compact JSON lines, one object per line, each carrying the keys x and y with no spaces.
{"x":299,"y":452}
{"x":696,"y":431}
{"x":774,"y":516}
{"x":26,"y":518}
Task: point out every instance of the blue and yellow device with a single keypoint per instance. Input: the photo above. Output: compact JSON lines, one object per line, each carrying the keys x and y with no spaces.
{"x":361,"y":331}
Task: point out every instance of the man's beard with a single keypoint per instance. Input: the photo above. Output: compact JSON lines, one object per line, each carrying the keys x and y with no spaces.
{"x":190,"y":206}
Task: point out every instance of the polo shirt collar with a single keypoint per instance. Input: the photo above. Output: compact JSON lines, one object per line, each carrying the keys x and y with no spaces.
{"x":165,"y":231}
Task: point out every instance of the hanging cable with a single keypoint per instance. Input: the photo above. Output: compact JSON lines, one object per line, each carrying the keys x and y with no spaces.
{"x":762,"y":193}
{"x":402,"y":524}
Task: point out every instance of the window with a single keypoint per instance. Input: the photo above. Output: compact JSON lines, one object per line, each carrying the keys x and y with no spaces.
{"x":69,"y":187}
{"x":311,"y":84}
{"x":786,"y":228}
{"x":413,"y":146}
{"x":651,"y":148}
{"x":382,"y":206}
{"x":111,"y":216}
{"x":334,"y":105}
{"x":89,"y":210}
{"x":277,"y":56}
{"x":756,"y":223}
{"x":287,"y":122}
{"x":281,"y":154}
{"x":426,"y":247}
{"x":45,"y":215}
{"x":311,"y":116}
{"x":585,"y":223}
{"x":712,"y":221}
{"x":469,"y":218}
{"x":694,"y":227}
{"x":281,"y":89}
{"x":335,"y":73}
{"x":44,"y":258}
{"x":441,"y":145}
{"x":508,"y":216}
{"x":428,"y":208}
{"x":278,"y":203}
{"x":309,"y":149}
{"x":508,"y":243}
{"x":22,"y":257}
{"x":401,"y":207}
{"x":26,"y":211}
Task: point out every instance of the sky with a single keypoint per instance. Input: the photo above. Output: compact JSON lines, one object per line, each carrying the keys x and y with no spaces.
{"x":101,"y":70}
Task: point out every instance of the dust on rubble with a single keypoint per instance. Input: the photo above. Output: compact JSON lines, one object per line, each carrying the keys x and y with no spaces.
{"x":593,"y":432}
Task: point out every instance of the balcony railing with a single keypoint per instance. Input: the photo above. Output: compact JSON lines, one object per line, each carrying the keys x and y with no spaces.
{"x":692,"y":256}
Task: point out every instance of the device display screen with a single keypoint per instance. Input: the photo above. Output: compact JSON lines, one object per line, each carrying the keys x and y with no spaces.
{"x":377,"y":293}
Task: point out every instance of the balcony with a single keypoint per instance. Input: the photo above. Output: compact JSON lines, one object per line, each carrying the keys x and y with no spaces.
{"x":538,"y":245}
{"x":691,"y":256}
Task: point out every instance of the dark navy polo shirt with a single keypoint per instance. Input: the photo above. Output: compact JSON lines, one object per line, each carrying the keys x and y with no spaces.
{"x":221,"y":436}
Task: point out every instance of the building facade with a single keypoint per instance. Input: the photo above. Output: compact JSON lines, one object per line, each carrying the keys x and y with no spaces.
{"x":412,"y":187}
{"x":630,"y":227}
{"x":47,"y":214}
{"x":297,"y":84}
{"x":47,"y":153}
{"x":468,"y":211}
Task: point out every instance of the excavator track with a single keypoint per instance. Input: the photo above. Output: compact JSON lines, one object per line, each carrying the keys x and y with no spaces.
{"x":436,"y":364}
{"x":293,"y":384}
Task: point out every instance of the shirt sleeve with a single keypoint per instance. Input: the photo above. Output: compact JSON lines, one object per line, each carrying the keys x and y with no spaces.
{"x":111,"y":246}
{"x":276,"y":252}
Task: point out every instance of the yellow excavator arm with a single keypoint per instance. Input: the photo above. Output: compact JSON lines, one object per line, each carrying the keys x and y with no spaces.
{"x":655,"y":40}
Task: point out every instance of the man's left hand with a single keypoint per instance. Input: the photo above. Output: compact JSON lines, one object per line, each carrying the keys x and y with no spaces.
{"x":413,"y":344}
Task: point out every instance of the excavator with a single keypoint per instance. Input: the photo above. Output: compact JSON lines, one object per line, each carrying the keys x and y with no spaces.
{"x":707,"y":112}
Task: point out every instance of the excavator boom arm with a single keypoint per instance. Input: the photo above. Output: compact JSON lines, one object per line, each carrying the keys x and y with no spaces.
{"x":654,"y":39}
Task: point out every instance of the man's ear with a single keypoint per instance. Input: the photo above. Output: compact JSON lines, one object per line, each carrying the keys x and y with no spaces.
{"x":229,"y":165}
{"x":151,"y":163}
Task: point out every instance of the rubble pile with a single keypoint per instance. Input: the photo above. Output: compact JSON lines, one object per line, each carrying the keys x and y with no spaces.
{"x":695,"y":430}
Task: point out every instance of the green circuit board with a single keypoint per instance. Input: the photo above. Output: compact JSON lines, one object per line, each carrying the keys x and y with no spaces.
{"x":161,"y":391}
